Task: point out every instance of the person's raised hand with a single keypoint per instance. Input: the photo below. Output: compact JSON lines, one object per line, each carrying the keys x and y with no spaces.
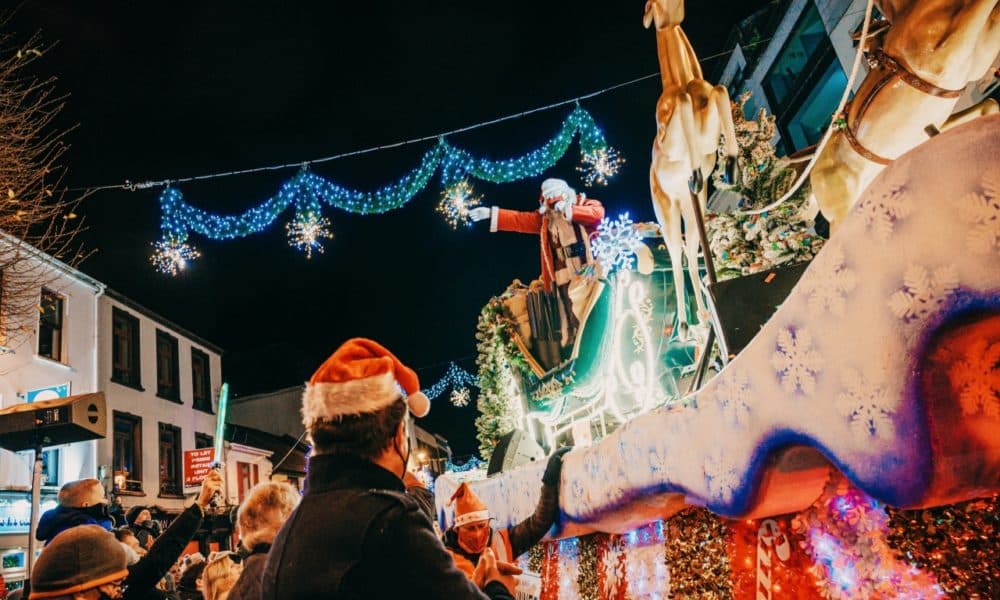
{"x":479,"y":213}
{"x":489,"y":569}
{"x":210,"y":486}
{"x":553,"y":470}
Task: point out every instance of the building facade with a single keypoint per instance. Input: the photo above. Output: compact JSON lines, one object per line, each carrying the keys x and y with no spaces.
{"x":44,"y":354}
{"x":162,"y":385}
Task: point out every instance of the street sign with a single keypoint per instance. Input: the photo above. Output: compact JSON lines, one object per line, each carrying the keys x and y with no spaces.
{"x":197,"y":464}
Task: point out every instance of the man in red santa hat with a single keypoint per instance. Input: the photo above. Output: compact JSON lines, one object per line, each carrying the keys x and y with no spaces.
{"x":357,"y":533}
{"x":564,"y":220}
{"x":471,"y":534}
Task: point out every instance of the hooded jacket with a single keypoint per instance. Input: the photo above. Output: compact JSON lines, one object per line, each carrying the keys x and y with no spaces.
{"x":59,"y":519}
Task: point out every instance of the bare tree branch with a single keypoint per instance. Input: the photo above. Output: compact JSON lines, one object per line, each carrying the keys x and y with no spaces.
{"x":35,"y":212}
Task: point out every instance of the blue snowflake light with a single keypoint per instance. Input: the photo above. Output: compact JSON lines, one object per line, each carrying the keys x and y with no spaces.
{"x":615,"y":242}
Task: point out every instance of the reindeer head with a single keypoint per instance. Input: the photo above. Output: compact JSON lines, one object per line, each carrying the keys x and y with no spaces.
{"x":663,"y":13}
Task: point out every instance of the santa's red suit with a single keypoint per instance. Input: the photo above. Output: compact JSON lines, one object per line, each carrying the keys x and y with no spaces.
{"x":564,"y":237}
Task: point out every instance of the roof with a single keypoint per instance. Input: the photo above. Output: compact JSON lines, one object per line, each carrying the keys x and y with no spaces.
{"x":132,"y":304}
{"x":288,"y":454}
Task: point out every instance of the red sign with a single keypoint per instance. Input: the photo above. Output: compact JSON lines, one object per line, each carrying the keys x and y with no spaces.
{"x":197,"y":464}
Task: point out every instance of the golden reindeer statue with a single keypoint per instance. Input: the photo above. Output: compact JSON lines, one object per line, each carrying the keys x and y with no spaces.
{"x":691,"y":114}
{"x":931,"y":51}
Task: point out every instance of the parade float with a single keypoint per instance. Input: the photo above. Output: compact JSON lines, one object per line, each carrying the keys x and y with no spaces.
{"x":850,"y":449}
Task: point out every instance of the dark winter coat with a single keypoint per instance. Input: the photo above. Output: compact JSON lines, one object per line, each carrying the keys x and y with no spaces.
{"x":357,"y":534}
{"x":59,"y":519}
{"x":248,"y":585}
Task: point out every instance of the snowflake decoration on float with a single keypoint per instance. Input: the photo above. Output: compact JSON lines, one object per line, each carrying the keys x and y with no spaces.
{"x":170,"y":258}
{"x":865,"y":406}
{"x":882,"y":213}
{"x":307,"y":233}
{"x":797,"y":363}
{"x":828,"y":282}
{"x":982,"y":212}
{"x":456,"y":202}
{"x":615,"y":243}
{"x":601,"y":164}
{"x":923,"y":292}
{"x":460,"y":397}
{"x":976,"y":377}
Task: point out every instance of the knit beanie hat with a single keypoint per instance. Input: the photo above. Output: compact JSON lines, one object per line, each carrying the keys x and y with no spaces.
{"x":468,"y":507}
{"x":77,"y":560}
{"x":360,"y":377}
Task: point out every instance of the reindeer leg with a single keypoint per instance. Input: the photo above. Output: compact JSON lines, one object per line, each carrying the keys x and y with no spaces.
{"x":724,"y":108}
{"x":692,"y":242}
{"x":668,"y":215}
{"x":684,"y":110}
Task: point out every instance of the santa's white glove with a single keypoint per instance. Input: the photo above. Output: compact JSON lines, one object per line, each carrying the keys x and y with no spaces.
{"x":479,"y":213}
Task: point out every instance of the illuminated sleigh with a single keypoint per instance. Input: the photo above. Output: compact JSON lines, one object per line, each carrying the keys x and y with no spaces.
{"x":624,"y":361}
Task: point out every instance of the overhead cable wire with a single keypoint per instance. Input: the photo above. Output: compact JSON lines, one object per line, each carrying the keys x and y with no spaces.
{"x":131,"y":186}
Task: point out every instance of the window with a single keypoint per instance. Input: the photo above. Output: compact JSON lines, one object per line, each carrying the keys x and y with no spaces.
{"x":128,"y":453}
{"x":203,"y":440}
{"x":805,"y":41}
{"x":167,"y":368}
{"x":201,"y":380}
{"x":50,"y":326}
{"x":125,"y":349}
{"x":804,"y":83}
{"x":170,"y":460}
{"x":807,"y":124}
{"x":246,"y":477}
{"x":50,"y":465}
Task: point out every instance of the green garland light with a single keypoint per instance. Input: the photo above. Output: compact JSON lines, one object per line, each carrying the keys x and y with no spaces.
{"x":308,"y":193}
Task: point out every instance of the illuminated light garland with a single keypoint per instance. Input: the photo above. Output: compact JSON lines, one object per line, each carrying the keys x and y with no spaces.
{"x":615,"y":242}
{"x":170,"y":258}
{"x":600,"y":165}
{"x":309,"y":193}
{"x":455,"y":377}
{"x":307,"y":232}
{"x":456,"y":201}
{"x":473,"y":464}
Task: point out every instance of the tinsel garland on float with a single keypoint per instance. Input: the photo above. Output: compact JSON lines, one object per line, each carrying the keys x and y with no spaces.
{"x":500,"y":364}
{"x":846,"y":545}
{"x":745,"y":244}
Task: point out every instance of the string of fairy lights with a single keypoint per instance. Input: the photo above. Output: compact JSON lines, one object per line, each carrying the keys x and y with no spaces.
{"x":309,"y":193}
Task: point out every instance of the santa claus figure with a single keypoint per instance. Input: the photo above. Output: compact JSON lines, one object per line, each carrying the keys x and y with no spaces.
{"x":564,"y":221}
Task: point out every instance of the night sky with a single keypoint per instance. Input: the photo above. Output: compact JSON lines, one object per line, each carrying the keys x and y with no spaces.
{"x":173,"y":89}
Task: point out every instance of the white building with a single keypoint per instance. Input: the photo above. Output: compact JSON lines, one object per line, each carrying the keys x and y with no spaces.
{"x":52,"y":354}
{"x":162,"y":384}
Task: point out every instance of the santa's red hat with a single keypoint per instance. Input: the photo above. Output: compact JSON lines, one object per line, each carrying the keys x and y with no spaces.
{"x":468,"y":507}
{"x":360,"y":377}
